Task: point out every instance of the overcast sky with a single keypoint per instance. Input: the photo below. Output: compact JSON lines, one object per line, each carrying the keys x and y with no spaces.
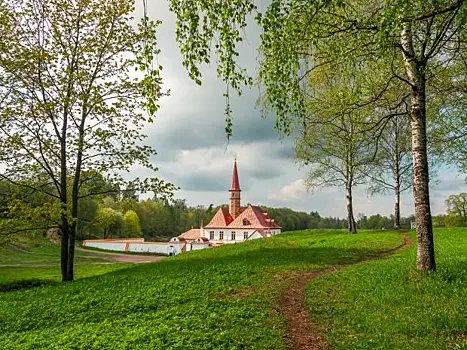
{"x":193,"y":152}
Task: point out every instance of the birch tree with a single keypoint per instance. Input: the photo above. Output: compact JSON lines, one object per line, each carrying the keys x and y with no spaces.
{"x":75,"y":105}
{"x":392,"y":167}
{"x":334,"y":137}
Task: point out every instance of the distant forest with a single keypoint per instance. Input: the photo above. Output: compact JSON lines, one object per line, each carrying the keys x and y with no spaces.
{"x":119,"y":213}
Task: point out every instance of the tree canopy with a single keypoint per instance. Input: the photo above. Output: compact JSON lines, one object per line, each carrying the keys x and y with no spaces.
{"x":422,"y":38}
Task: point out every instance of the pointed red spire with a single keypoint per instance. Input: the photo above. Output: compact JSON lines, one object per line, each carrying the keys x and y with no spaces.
{"x":235,"y":183}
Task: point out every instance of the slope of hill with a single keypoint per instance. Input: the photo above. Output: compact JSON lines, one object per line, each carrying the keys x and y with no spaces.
{"x":223,"y":298}
{"x":386,"y":304}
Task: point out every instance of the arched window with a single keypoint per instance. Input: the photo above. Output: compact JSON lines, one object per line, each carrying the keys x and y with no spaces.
{"x":246,"y":222}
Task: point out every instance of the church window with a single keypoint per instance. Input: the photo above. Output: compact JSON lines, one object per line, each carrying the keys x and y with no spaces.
{"x":211,"y":235}
{"x":221,"y":235}
{"x":245,"y":222}
{"x":232,"y":236}
{"x":245,"y":235}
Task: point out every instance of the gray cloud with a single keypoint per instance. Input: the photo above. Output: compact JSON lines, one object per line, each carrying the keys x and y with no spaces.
{"x":193,"y":152}
{"x":449,"y":182}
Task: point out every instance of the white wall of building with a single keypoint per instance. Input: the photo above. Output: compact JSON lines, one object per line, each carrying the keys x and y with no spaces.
{"x":119,"y":246}
{"x":149,"y":247}
{"x":198,"y":246}
{"x":239,"y":234}
{"x":256,"y":235}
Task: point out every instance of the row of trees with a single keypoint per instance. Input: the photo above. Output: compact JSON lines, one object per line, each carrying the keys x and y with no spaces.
{"x":160,"y":220}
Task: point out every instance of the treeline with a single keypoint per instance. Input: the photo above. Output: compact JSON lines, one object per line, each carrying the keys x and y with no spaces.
{"x":292,"y":220}
{"x":119,"y":213}
{"x":456,"y":212}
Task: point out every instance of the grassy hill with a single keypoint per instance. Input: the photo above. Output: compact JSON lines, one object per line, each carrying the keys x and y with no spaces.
{"x":386,"y":304}
{"x":28,"y":261}
{"x":228,"y":297}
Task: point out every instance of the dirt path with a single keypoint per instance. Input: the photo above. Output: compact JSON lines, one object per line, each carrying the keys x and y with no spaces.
{"x":116,"y":257}
{"x":299,"y":332}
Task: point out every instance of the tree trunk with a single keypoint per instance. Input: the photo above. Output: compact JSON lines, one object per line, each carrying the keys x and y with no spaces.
{"x":71,"y":253}
{"x":397,"y":179}
{"x":397,"y":192}
{"x":397,"y":212}
{"x":67,"y":254}
{"x":350,"y":218}
{"x":64,"y":252}
{"x":415,"y":70}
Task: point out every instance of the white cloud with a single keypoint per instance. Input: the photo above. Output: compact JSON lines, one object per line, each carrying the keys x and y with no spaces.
{"x":292,"y":191}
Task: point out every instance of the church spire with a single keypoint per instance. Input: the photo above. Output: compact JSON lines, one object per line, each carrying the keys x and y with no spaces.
{"x":235,"y":183}
{"x":234,"y":200}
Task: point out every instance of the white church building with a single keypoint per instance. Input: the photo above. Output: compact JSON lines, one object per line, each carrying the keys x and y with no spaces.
{"x":235,"y":223}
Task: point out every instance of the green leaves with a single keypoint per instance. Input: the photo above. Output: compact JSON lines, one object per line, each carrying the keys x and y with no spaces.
{"x":457,"y":208}
{"x":211,"y":29}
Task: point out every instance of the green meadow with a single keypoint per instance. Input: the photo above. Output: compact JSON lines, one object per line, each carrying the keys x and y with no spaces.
{"x":387,"y":304}
{"x":228,"y":298}
{"x":30,"y":262}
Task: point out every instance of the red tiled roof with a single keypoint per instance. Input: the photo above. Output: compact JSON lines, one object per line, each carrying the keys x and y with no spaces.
{"x":191,"y":234}
{"x":235,"y":183}
{"x":256,"y":219}
{"x":222,"y":218}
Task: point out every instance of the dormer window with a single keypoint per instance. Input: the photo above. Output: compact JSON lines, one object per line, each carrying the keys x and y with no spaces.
{"x":246,"y":222}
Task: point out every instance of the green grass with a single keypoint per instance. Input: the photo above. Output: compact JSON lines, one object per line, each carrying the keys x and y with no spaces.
{"x":30,"y":262}
{"x":222,"y":298}
{"x":387,"y":304}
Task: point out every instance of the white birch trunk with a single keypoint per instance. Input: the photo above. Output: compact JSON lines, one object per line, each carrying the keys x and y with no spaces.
{"x":415,"y":70}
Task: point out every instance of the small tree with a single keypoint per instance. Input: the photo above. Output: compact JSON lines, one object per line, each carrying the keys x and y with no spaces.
{"x":392,"y":166}
{"x":457,"y":209}
{"x":131,"y":226}
{"x":333,"y":137}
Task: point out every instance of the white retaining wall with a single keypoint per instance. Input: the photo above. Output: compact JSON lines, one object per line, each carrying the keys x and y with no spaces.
{"x":149,"y":247}
{"x":136,"y":245}
{"x":120,"y":246}
{"x":198,"y":246}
